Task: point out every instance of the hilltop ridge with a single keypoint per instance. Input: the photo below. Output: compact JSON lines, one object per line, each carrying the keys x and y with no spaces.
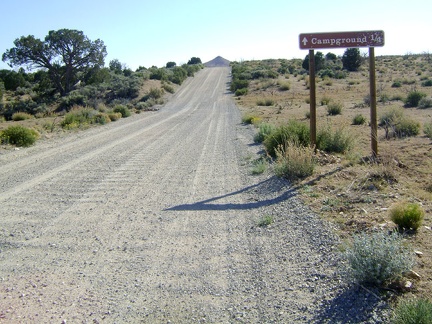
{"x":218,"y":61}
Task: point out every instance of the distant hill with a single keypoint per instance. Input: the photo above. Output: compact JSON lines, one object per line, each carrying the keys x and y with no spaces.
{"x":217,"y":62}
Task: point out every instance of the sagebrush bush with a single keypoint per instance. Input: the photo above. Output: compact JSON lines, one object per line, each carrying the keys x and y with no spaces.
{"x":148,"y":105}
{"x":294,"y":131}
{"x":168,"y":88}
{"x":337,"y":141}
{"x":378,"y":259}
{"x":407,"y":215}
{"x":427,"y":83}
{"x":407,"y":127}
{"x":155,"y":93}
{"x":74,"y":98}
{"x":239,"y":84}
{"x":259,"y":166}
{"x":425,"y":103}
{"x":21,"y":116}
{"x":414,"y":97}
{"x":334,"y":109}
{"x":123,"y":110}
{"x":396,"y":124}
{"x":19,"y":135}
{"x":265,"y":129}
{"x":294,"y":161}
{"x":359,"y":120}
{"x":391,"y":116}
{"x":413,"y":312}
{"x":78,"y":116}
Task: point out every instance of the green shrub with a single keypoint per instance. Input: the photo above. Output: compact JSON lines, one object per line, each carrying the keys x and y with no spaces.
{"x":239,"y":84}
{"x":12,"y":107}
{"x":19,"y":135}
{"x":124,"y":87}
{"x":407,"y":215}
{"x":378,"y":259}
{"x":265,"y":221}
{"x":148,"y":105}
{"x":247,"y":119}
{"x":21,"y":116}
{"x":427,"y":83}
{"x":359,"y":119}
{"x":294,"y":131}
{"x":156,"y":93}
{"x":259,"y":166}
{"x":264,"y":130}
{"x":168,"y":88}
{"x":396,"y":124}
{"x":413,"y":98}
{"x":294,"y":161}
{"x":425,"y":103}
{"x":340,"y":75}
{"x":78,"y":116}
{"x":338,"y":141}
{"x":123,"y":110}
{"x":427,"y":129}
{"x":241,"y":92}
{"x":396,"y":84}
{"x":329,"y":73}
{"x":407,"y":127}
{"x":413,"y":312}
{"x":391,"y":117}
{"x":334,"y":108}
{"x":73,"y":99}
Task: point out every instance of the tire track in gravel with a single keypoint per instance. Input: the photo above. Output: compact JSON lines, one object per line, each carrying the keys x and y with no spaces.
{"x":152,"y":219}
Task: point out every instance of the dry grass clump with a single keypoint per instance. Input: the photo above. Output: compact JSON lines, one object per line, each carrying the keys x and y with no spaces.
{"x":294,"y":161}
{"x":21,"y":116}
{"x":407,"y":216}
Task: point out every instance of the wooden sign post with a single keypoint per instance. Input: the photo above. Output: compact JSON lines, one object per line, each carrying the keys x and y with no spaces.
{"x":370,"y":39}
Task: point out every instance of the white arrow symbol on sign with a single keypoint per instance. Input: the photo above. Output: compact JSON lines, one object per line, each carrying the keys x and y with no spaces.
{"x":304,"y":41}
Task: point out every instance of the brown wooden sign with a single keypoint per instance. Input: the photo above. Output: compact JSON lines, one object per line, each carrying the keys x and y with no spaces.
{"x":371,"y":38}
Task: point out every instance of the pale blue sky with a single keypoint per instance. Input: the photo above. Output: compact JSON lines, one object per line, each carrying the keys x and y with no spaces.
{"x":154,"y":32}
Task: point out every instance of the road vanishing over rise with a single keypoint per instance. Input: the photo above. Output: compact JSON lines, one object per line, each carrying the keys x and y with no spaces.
{"x":153,"y":219}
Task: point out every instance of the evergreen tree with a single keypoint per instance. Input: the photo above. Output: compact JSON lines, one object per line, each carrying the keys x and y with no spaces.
{"x":351,"y":59}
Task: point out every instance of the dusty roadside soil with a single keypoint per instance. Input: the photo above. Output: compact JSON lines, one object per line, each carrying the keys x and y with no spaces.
{"x":154,"y":218}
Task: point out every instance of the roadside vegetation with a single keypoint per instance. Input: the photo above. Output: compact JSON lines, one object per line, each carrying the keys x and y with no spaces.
{"x":381,"y":206}
{"x":81,"y":91}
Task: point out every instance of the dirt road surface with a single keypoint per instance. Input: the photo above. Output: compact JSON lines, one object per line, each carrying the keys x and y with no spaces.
{"x":153,"y":219}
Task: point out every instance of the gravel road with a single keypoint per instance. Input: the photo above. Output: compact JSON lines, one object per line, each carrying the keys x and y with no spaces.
{"x":154,"y":219}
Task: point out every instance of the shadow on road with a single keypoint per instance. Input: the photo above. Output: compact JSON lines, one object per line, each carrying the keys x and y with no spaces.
{"x":354,"y":305}
{"x":265,"y":190}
